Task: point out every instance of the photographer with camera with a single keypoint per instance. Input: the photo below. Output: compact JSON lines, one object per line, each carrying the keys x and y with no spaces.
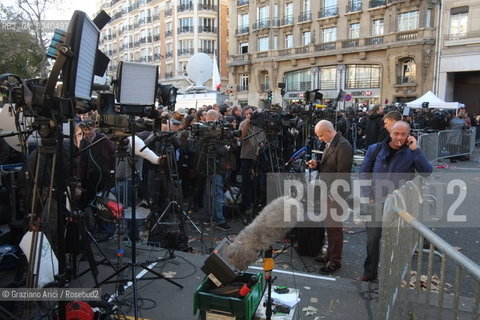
{"x":252,"y":137}
{"x":166,"y":144}
{"x":216,"y":181}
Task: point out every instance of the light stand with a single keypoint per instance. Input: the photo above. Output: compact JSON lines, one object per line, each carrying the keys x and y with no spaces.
{"x":268,"y":266}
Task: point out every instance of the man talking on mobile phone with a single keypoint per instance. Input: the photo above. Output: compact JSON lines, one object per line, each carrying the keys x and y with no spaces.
{"x":395,"y":160}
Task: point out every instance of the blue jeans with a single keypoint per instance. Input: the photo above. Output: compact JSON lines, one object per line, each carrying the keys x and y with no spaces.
{"x":216,"y":185}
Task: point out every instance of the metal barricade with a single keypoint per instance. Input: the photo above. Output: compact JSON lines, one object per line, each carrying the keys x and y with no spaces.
{"x":447,"y":143}
{"x":403,"y":257}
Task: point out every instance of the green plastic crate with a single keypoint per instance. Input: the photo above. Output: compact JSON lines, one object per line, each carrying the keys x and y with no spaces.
{"x":242,"y":309}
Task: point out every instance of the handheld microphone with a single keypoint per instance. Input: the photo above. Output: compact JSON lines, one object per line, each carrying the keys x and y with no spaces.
{"x":297,"y":155}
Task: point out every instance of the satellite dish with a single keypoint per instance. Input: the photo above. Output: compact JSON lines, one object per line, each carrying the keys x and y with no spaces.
{"x":7,"y":124}
{"x":199,"y":68}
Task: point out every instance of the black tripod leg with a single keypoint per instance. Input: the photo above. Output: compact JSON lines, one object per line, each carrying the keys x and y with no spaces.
{"x":88,"y":248}
{"x":161,"y":276}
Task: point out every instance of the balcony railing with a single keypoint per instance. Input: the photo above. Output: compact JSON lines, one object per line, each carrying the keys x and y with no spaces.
{"x":406,"y":80}
{"x":156,"y":37}
{"x":350,"y":43}
{"x":183,"y":52}
{"x":275,"y":23}
{"x":242,"y":30}
{"x":168,"y":33}
{"x":242,"y":3}
{"x":374,"y":41}
{"x":168,"y":12}
{"x":262,"y":24}
{"x":242,"y":87}
{"x":168,"y":75}
{"x":185,"y":29}
{"x":205,"y":29}
{"x":325,"y":46}
{"x":264,"y":87}
{"x":363,"y":83}
{"x":185,"y":7}
{"x":376,"y":3}
{"x":330,"y":11}
{"x":407,"y":35}
{"x":305,"y":16}
{"x":207,"y":7}
{"x":156,"y":17}
{"x":240,"y":59}
{"x":352,"y":6}
{"x":287,"y":20}
{"x":301,"y":50}
{"x":207,"y":50}
{"x":169,"y":54}
{"x":284,"y":52}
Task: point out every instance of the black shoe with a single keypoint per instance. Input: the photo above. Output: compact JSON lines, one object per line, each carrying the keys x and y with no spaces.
{"x":224,"y":226}
{"x":329,"y":268}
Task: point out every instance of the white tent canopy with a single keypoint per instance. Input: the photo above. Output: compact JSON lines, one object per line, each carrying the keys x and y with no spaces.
{"x":434,"y":102}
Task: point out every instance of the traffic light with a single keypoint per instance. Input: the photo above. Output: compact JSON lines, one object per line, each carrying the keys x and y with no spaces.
{"x":269,"y":96}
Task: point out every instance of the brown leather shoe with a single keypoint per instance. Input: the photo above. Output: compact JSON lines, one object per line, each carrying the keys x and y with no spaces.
{"x":329,"y":268}
{"x":366,"y":278}
{"x":321,"y":259}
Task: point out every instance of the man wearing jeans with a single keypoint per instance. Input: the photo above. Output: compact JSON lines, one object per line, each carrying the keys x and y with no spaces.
{"x":395,"y":159}
{"x":216,"y":182}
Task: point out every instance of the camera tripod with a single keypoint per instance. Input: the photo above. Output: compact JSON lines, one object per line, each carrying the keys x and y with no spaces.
{"x":133,"y":235}
{"x":175,"y":192}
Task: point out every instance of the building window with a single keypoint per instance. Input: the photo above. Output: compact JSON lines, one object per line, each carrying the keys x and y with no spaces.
{"x":408,"y":72}
{"x":243,"y":82}
{"x":329,"y":34}
{"x":363,"y":76}
{"x":377,"y":27}
{"x":299,"y":80}
{"x":306,"y":5}
{"x":264,"y":81}
{"x":306,"y":38}
{"x":243,"y":47}
{"x":263,"y":44}
{"x":288,"y":14}
{"x":207,"y":46}
{"x":275,"y":43}
{"x":408,"y":21}
{"x":262,"y":13}
{"x":354,"y":31}
{"x":328,"y":78}
{"x":458,"y":22}
{"x":186,"y":25}
{"x":289,"y":41}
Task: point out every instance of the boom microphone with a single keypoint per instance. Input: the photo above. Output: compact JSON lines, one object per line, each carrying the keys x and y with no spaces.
{"x":271,"y":224}
{"x":297,"y":155}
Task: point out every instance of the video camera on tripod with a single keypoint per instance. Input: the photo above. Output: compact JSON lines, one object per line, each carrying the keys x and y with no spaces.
{"x":215,"y":130}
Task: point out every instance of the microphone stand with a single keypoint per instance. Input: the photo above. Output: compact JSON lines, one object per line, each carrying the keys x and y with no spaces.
{"x":268,"y":266}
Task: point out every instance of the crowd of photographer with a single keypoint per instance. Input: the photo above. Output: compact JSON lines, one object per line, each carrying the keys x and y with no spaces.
{"x":218,"y":147}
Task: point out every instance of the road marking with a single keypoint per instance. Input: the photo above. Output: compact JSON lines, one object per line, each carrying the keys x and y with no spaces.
{"x":298,"y":274}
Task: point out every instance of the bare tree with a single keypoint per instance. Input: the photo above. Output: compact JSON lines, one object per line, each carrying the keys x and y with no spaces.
{"x":33,"y":12}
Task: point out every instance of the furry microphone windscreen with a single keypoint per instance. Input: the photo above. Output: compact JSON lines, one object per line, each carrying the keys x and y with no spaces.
{"x":271,"y":224}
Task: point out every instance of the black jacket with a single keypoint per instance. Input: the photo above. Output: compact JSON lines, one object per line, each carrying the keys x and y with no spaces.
{"x":374,"y":124}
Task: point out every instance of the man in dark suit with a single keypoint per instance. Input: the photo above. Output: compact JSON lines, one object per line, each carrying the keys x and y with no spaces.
{"x":336,"y":163}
